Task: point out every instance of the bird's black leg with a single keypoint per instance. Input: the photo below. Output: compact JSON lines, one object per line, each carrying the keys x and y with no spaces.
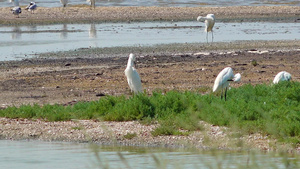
{"x":222,"y":93}
{"x":225,"y":93}
{"x":212,"y":36}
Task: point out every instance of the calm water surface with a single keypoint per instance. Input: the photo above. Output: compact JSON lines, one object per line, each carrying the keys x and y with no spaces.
{"x":168,"y":3}
{"x":19,"y":42}
{"x":34,"y":154}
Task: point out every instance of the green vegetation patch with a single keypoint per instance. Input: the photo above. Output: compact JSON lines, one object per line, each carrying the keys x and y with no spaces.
{"x":269,"y":109}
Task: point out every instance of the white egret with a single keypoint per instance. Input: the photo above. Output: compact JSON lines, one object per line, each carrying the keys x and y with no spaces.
{"x":133,"y":78}
{"x":209,"y":24}
{"x":282,"y":76}
{"x":31,"y":7}
{"x":64,"y":2}
{"x":223,"y":78}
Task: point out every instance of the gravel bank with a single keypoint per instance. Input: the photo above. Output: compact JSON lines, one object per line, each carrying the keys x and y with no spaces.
{"x":125,"y":14}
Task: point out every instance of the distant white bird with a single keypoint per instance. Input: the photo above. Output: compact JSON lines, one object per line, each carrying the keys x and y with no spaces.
{"x":223,"y":78}
{"x":282,"y":76}
{"x":16,"y":10}
{"x":64,"y":2}
{"x":91,"y":2}
{"x":133,"y":78}
{"x":31,"y":7}
{"x":16,"y":2}
{"x":209,"y":24}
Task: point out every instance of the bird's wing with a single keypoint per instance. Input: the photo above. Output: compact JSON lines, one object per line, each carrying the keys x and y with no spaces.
{"x":136,"y":80}
{"x":209,"y":23}
{"x":222,"y":79}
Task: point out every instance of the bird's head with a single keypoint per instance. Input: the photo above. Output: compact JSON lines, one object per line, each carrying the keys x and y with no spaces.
{"x":237,"y":77}
{"x":199,"y":18}
{"x":132,"y":59}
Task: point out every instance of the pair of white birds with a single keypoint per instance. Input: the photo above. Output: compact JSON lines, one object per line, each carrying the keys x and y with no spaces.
{"x":17,"y":10}
{"x":135,"y":84}
{"x":221,"y":82}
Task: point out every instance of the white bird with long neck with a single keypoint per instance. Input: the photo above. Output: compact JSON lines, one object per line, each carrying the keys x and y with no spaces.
{"x":133,"y":78}
{"x":282,"y":76}
{"x":223,"y":78}
{"x":209,"y":24}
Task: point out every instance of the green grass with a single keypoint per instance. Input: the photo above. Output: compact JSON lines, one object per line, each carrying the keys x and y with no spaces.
{"x":269,"y":109}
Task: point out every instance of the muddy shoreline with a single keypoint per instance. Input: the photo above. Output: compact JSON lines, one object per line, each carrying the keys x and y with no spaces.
{"x":86,"y":14}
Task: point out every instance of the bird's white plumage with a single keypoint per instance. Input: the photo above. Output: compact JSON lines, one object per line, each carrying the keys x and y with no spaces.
{"x":64,"y":2}
{"x":31,"y":7}
{"x":16,"y":11}
{"x":133,"y":78}
{"x":209,"y":24}
{"x":237,"y":77}
{"x":209,"y":21}
{"x":282,"y":76}
{"x":223,"y":78}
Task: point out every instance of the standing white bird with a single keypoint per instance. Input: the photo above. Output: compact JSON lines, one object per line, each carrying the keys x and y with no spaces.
{"x":133,"y":78}
{"x":64,"y":2}
{"x":209,"y":24}
{"x":282,"y":76}
{"x":223,"y":78}
{"x":31,"y":7}
{"x":16,"y":10}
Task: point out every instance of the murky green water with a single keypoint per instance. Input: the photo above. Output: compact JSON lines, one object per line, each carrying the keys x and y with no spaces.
{"x":34,"y":154}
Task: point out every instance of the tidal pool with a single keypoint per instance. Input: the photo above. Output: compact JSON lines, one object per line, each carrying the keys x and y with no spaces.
{"x":35,"y":154}
{"x":18,"y":42}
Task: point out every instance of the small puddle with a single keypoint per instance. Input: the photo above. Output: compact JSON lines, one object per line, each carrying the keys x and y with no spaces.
{"x":20,"y":42}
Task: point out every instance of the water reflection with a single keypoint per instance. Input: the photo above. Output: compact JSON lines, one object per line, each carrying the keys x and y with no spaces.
{"x":34,"y":154}
{"x":64,"y":31}
{"x":16,"y":33}
{"x":93,"y":31}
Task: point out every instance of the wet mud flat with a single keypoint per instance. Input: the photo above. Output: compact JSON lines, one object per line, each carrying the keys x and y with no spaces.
{"x":85,"y":75}
{"x":68,"y":79}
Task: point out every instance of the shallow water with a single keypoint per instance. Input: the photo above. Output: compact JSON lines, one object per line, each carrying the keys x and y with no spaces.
{"x":20,"y":42}
{"x":34,"y":154}
{"x":167,"y":3}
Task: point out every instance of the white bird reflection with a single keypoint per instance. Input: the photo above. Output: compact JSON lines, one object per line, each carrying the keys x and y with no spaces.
{"x":16,"y":33}
{"x":64,"y":32}
{"x":93,"y":31}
